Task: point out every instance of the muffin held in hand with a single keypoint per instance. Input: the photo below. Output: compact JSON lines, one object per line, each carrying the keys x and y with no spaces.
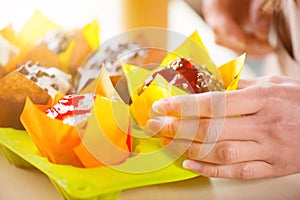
{"x":187,"y":70}
{"x":180,"y":76}
{"x":187,"y":76}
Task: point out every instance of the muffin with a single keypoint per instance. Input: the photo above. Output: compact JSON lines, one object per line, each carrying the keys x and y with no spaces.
{"x":58,"y":40}
{"x":187,"y":76}
{"x":36,"y":82}
{"x":110,"y":57}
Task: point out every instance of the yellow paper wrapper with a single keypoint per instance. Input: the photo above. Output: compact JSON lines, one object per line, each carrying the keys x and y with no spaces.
{"x":9,"y":34}
{"x":193,"y":49}
{"x":103,"y":139}
{"x":34,"y":29}
{"x":85,"y":40}
{"x":9,"y":49}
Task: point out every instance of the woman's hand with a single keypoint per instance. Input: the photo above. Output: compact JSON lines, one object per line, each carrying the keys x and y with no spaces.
{"x":241,"y":25}
{"x":252,"y":132}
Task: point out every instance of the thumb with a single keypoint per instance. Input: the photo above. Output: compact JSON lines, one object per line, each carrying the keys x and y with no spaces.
{"x":260,"y":19}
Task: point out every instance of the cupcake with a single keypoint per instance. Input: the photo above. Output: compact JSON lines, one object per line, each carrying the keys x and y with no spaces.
{"x":50,"y":79}
{"x":110,"y":57}
{"x":81,"y":129}
{"x":187,"y":76}
{"x":39,"y":83}
{"x":58,"y":40}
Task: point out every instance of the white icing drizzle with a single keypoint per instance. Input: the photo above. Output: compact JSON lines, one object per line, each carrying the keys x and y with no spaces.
{"x":51,"y":79}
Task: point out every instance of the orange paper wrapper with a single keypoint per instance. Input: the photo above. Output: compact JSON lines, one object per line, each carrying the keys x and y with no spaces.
{"x":104,"y":139}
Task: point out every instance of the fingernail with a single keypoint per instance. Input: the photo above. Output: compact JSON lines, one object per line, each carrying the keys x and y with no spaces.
{"x":158,"y":108}
{"x":191,"y":165}
{"x":153,"y":126}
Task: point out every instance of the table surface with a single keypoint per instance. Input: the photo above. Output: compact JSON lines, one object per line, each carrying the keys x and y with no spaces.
{"x":25,"y":184}
{"x":30,"y":184}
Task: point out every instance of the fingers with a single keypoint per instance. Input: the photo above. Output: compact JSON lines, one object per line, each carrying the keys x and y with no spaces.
{"x":227,"y":30}
{"x":206,"y":130}
{"x":224,"y":152}
{"x":220,"y":104}
{"x":280,"y":80}
{"x":258,"y":31}
{"x":256,"y":47}
{"x":212,"y":104}
{"x":229,"y":34}
{"x":260,"y":19}
{"x":243,"y":83}
{"x":242,"y":30}
{"x":245,"y":170}
{"x":251,"y":45}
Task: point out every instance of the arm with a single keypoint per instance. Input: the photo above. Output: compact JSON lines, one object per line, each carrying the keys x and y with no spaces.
{"x":241,"y":25}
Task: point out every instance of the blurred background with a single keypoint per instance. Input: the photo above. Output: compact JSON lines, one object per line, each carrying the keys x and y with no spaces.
{"x":117,"y":16}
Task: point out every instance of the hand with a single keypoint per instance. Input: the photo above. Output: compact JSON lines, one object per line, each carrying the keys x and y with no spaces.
{"x":252,"y":132}
{"x":241,"y":25}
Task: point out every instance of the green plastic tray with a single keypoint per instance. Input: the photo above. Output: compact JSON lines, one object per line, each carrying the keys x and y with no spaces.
{"x":93,"y":183}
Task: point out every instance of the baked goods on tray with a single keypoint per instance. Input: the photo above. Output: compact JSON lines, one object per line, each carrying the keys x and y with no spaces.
{"x":81,"y":129}
{"x":68,"y":92}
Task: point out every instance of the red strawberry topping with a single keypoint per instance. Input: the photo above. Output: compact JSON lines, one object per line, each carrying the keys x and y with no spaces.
{"x":72,"y":109}
{"x":187,"y":76}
